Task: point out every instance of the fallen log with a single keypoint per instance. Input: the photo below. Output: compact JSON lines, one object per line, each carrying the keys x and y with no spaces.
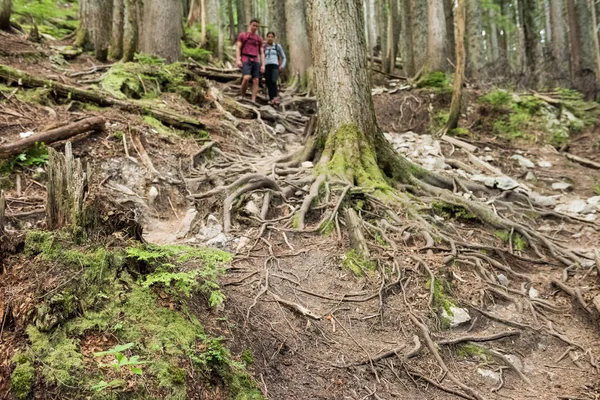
{"x":14,"y":76}
{"x":378,"y":60}
{"x":51,"y":136}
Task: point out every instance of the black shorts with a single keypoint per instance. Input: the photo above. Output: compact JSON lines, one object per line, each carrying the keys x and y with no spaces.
{"x":251,"y":68}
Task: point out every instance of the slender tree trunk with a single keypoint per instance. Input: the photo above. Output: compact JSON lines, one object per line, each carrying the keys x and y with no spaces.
{"x":231,"y":17}
{"x":194,"y":13}
{"x":595,"y":39}
{"x":520,"y":45}
{"x":393,"y":33}
{"x":250,"y":10}
{"x":203,"y":19}
{"x":494,"y":48}
{"x":162,"y":30}
{"x":533,"y":42}
{"x":371,"y":17}
{"x":450,"y":37}
{"x":457,"y":90}
{"x":504,"y":50}
{"x":100,"y":23}
{"x":476,"y":50}
{"x":586,"y":33}
{"x":83,"y":37}
{"x":558,"y":42}
{"x":576,"y":65}
{"x":419,"y":32}
{"x":130,"y":30}
{"x":116,"y":45}
{"x":278,"y":21}
{"x":436,"y":54}
{"x":5,"y":10}
{"x":221,"y":18}
{"x":299,"y":60}
{"x":241,"y":16}
{"x":408,"y":55}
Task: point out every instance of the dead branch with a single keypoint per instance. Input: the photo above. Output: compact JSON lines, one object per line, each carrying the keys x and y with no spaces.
{"x":433,"y":349}
{"x":313,"y":194}
{"x":51,"y":136}
{"x":295,"y":307}
{"x":506,"y":361}
{"x":489,"y":338}
{"x":437,"y":385}
{"x":583,"y":161}
{"x":575,"y":293}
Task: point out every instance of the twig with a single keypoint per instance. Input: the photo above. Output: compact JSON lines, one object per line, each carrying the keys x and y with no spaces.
{"x":296,"y":307}
{"x":437,"y":385}
{"x":490,"y":338}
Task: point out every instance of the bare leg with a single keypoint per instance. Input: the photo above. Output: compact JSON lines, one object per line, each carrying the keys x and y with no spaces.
{"x":254,"y":88}
{"x":244,"y":86}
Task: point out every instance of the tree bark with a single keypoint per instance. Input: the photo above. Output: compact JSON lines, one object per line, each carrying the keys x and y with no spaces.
{"x":118,"y":23}
{"x":494,"y":48}
{"x":476,"y":50}
{"x":231,"y":18}
{"x":521,"y":58}
{"x":558,"y":42}
{"x":436,"y":38}
{"x":162,"y":30}
{"x":533,"y":46}
{"x":130,"y":30}
{"x":203,"y":21}
{"x":241,"y":16}
{"x":450,"y":36}
{"x":576,"y":65}
{"x":382,"y":32}
{"x":595,"y":38}
{"x":83,"y":38}
{"x":393,"y":33}
{"x":100,"y":25}
{"x":5,"y":10}
{"x":299,"y":50}
{"x":194,"y":13}
{"x":457,"y":90}
{"x":54,"y":135}
{"x":419,"y":32}
{"x":278,"y":21}
{"x":408,"y":56}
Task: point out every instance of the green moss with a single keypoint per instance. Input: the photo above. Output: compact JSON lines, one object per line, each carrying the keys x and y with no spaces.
{"x":518,"y":241}
{"x":434,"y":80}
{"x":459,"y":132}
{"x":196,"y":53}
{"x":451,"y":211}
{"x":22,"y":377}
{"x":158,"y":126}
{"x":42,"y":96}
{"x":438,"y":121}
{"x":358,"y":264}
{"x":247,"y":357}
{"x":471,"y":350}
{"x":497,"y":98}
{"x":57,"y":18}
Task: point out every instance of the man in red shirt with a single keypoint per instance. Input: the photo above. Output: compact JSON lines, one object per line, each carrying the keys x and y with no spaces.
{"x":250,"y":57}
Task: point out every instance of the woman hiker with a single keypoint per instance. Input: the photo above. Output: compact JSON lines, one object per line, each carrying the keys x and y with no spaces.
{"x":275,"y":61}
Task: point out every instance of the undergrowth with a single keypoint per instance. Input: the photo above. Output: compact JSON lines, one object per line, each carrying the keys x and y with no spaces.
{"x":133,"y":305}
{"x":56,"y":18}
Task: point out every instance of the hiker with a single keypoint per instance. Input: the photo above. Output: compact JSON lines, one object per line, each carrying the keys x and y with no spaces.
{"x":275,"y":61}
{"x":250,"y":58}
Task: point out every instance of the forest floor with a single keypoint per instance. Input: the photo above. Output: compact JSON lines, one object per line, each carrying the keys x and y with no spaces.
{"x":294,"y":302}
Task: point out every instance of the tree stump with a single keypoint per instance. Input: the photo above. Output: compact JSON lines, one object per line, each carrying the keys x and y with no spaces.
{"x":67,"y":189}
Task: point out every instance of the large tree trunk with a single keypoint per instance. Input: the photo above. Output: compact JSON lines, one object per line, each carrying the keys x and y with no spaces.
{"x":299,"y":60}
{"x":162,"y":30}
{"x":436,"y":38}
{"x":278,"y":21}
{"x":586,"y":30}
{"x":130,"y":30}
{"x":231,"y":18}
{"x":595,"y":37}
{"x":476,"y":49}
{"x":533,"y":44}
{"x":83,"y":37}
{"x":393,"y":32}
{"x":574,"y":28}
{"x":241,"y":16}
{"x":100,"y":25}
{"x":558,"y":42}
{"x":457,"y":91}
{"x":5,"y":9}
{"x":406,"y":44}
{"x":118,"y":23}
{"x":419,"y":32}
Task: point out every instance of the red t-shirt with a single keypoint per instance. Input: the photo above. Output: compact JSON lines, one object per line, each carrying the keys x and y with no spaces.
{"x":251,"y":45}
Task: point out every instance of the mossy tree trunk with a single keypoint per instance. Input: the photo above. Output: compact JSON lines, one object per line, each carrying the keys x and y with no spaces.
{"x":130,"y":30}
{"x":100,"y":25}
{"x":116,"y":44}
{"x":476,"y":50}
{"x":406,"y":32}
{"x":5,"y":10}
{"x":162,"y":29}
{"x":436,"y":37}
{"x":83,"y":37}
{"x":299,"y":49}
{"x":459,"y":76}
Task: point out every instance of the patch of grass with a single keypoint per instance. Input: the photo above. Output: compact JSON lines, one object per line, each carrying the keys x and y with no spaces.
{"x":358,"y":264}
{"x":438,"y":120}
{"x":451,"y":211}
{"x":459,"y":132}
{"x":497,"y":99}
{"x":519,"y":242}
{"x":434,"y":80}
{"x":22,"y":377}
{"x":57,"y":18}
{"x":470,"y":350}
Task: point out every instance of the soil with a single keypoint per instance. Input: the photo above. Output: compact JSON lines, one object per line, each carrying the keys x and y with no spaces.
{"x":300,"y":357}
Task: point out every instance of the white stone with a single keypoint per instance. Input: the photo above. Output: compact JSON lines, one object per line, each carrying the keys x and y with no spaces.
{"x":530,"y":177}
{"x":578,"y":206}
{"x":489,"y":375}
{"x":211,"y":229}
{"x":516,"y":361}
{"x":252,"y":208}
{"x":279,"y":129}
{"x":503,"y":280}
{"x":307,"y":164}
{"x":545,"y":164}
{"x":219,"y":241}
{"x":523,"y":162}
{"x":25,"y":134}
{"x":543,"y":201}
{"x":594,"y":201}
{"x":186,"y":223}
{"x":432,"y":163}
{"x":152,"y":194}
{"x":459,"y":316}
{"x":561,"y":186}
{"x":502,"y":183}
{"x":533,"y":293}
{"x":243,"y":242}
{"x":487,"y":149}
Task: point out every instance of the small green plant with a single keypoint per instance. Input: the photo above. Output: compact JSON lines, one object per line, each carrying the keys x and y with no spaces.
{"x":121,"y":360}
{"x":358,"y":264}
{"x":22,"y":377}
{"x":597,"y":190}
{"x":451,"y":211}
{"x":518,"y":241}
{"x":497,"y":99}
{"x":247,"y":357}
{"x":459,"y":132}
{"x":35,"y":156}
{"x":434,"y":80}
{"x":471,"y":350}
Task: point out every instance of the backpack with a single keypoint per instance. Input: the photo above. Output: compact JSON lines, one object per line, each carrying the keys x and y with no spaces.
{"x":278,"y":49}
{"x":244,"y":45}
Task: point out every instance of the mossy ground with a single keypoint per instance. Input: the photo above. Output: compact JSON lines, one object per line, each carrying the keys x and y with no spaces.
{"x":56,"y":18}
{"x":358,"y":264}
{"x":140,"y":296}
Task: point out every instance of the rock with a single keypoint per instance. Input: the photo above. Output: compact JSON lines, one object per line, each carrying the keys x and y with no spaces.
{"x":186,"y":223}
{"x":432,"y":163}
{"x":24,"y":135}
{"x":459,"y":316}
{"x":523,"y":162}
{"x":561,"y":186}
{"x":152,"y":195}
{"x":243,"y":242}
{"x":252,"y":208}
{"x":577,"y":206}
{"x":487,"y":158}
{"x":307,"y":164}
{"x":545,"y":164}
{"x":487,"y":149}
{"x":530,"y":177}
{"x":516,"y":361}
{"x":543,"y":201}
{"x":502,"y":183}
{"x":211,"y":229}
{"x":489,"y":375}
{"x":533,"y":293}
{"x":594,"y":201}
{"x":219,"y":241}
{"x":279,"y":129}
{"x":503,"y":280}
{"x":596,"y":302}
